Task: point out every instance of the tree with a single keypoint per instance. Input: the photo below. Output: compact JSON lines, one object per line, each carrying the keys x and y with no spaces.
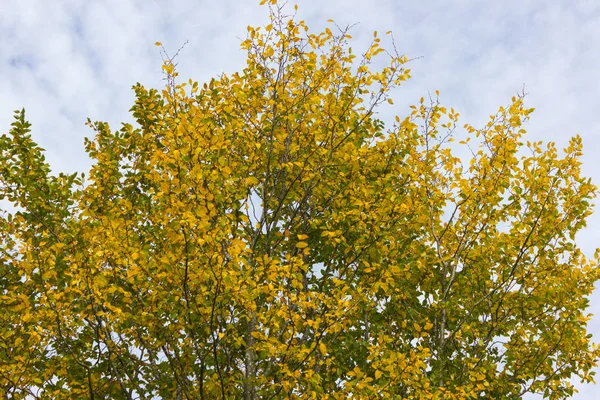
{"x":265,"y":236}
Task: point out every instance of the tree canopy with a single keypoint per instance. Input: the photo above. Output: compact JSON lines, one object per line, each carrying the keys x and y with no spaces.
{"x":264,"y":235}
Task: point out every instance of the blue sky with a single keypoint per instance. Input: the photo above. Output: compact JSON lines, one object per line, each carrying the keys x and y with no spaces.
{"x":66,"y":60}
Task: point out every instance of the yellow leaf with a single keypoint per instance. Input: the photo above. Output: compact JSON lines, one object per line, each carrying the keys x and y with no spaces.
{"x":377,"y":374}
{"x":389,"y":100}
{"x":417,"y":327}
{"x":322,"y":348}
{"x":251,"y":180}
{"x":302,"y":237}
{"x":301,"y":245}
{"x":168,"y":68}
{"x":158,"y":44}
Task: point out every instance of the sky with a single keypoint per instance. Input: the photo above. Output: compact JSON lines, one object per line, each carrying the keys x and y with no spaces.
{"x":67,"y":60}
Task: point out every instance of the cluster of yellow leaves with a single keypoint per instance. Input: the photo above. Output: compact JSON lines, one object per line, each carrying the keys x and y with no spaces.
{"x":262,"y":236}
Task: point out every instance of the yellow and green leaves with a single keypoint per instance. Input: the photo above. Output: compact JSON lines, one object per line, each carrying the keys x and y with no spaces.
{"x":263,"y":235}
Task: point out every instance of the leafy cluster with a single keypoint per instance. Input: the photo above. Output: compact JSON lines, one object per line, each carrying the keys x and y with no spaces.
{"x":265,"y":236}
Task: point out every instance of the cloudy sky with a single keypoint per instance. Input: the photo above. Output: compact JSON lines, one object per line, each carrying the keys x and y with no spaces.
{"x":66,"y":60}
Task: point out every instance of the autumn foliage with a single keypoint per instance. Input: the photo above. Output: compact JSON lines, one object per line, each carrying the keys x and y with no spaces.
{"x":264,"y":236}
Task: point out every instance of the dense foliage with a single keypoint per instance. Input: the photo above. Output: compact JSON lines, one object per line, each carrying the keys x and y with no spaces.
{"x":265,"y":236}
